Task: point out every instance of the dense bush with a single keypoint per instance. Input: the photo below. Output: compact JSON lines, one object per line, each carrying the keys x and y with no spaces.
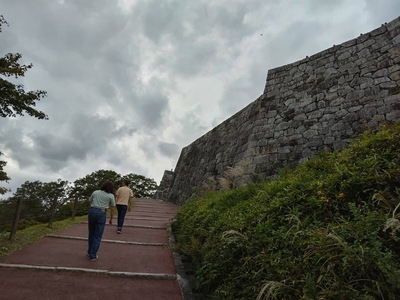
{"x":327,"y":230}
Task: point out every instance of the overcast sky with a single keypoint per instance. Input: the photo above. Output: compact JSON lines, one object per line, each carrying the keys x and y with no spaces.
{"x":132,"y":82}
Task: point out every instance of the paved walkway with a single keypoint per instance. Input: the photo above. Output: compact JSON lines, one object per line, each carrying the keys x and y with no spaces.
{"x":137,"y":264}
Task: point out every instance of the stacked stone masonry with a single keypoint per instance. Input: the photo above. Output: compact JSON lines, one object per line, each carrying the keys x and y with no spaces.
{"x":319,"y":103}
{"x":165,"y":184}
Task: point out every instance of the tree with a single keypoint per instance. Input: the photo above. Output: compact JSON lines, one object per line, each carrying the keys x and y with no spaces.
{"x":54,"y":195}
{"x":7,"y":209}
{"x":41,"y":200}
{"x":142,"y":186}
{"x":3,"y":176}
{"x":14,"y":100}
{"x":33,"y":209}
{"x":84,"y":187}
{"x":45,"y":202}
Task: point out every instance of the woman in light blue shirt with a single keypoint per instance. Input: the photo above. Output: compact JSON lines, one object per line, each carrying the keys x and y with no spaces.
{"x":100,"y":201}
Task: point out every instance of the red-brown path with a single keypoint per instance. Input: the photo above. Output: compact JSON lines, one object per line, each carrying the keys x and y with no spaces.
{"x":137,"y":264}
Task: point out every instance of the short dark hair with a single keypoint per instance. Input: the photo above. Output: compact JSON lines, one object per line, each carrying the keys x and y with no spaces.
{"x":126,"y":181}
{"x":108,"y":187}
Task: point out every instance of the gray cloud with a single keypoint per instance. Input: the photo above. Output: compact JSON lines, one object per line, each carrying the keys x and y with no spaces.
{"x":169,"y":149}
{"x":201,"y":33}
{"x":382,"y":11}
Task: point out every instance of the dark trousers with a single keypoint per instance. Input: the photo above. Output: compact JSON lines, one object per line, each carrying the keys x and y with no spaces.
{"x":96,"y":223}
{"x":121,"y":215}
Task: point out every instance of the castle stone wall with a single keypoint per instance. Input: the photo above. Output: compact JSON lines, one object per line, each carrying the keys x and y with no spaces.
{"x":165,"y":185}
{"x":319,"y":103}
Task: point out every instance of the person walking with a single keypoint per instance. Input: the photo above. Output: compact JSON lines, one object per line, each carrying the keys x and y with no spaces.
{"x":100,"y":201}
{"x":124,"y":197}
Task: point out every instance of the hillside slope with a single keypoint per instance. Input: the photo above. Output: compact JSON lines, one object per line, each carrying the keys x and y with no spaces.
{"x":327,"y":230}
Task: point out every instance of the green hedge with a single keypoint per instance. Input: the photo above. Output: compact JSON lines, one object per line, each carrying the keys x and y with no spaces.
{"x":327,"y":230}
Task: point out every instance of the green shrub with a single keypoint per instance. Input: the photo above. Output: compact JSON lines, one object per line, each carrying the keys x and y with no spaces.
{"x":328,"y":229}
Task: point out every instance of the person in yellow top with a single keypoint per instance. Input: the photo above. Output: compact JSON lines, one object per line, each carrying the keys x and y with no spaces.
{"x":124,"y":197}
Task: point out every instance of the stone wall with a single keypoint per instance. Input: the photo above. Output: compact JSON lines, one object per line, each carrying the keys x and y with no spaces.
{"x":318,"y":103}
{"x":165,"y":184}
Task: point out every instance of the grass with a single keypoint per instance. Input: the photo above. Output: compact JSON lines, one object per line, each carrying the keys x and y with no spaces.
{"x":328,"y":229}
{"x":31,"y":234}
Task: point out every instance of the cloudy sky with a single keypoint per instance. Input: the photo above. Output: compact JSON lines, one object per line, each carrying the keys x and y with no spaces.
{"x":132,"y":82}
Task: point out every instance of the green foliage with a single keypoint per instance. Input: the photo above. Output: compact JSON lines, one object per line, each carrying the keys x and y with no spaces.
{"x":329,"y":229}
{"x":84,"y":187}
{"x":3,"y":176}
{"x":40,"y":202}
{"x":7,"y":209}
{"x":33,"y":208}
{"x":2,"y":22}
{"x":45,"y":202}
{"x":14,"y":100}
{"x":142,"y":186}
{"x":65,"y":211}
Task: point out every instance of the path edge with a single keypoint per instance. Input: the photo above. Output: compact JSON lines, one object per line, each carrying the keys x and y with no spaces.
{"x":184,"y":284}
